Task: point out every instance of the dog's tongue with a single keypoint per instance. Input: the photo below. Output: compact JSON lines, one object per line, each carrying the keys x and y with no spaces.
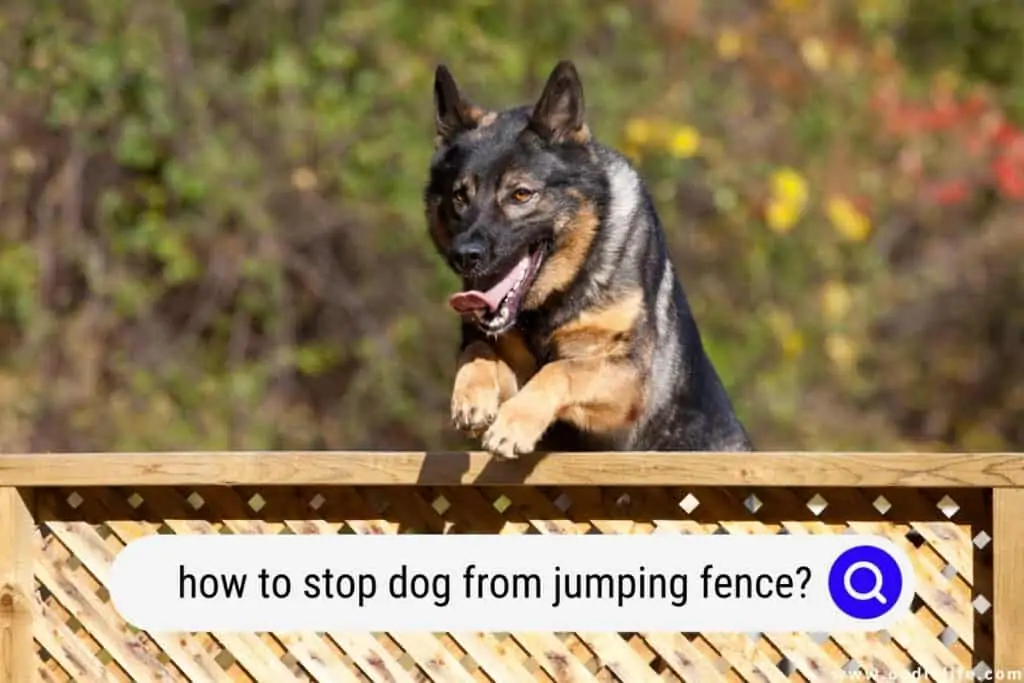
{"x":473,"y":300}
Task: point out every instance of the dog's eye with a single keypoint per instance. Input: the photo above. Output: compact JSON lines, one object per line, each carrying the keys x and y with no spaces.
{"x":460,"y":197}
{"x":521,"y":195}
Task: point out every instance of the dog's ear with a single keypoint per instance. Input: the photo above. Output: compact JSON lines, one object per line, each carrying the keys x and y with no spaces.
{"x":558,"y":116}
{"x":453,"y":113}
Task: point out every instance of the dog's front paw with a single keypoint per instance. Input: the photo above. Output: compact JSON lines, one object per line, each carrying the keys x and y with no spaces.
{"x":474,"y":406}
{"x":516,"y":430}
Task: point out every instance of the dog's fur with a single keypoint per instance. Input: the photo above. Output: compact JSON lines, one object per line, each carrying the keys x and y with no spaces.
{"x":602,"y":352}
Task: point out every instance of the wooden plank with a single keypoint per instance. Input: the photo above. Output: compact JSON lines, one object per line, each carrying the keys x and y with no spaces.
{"x":63,"y":645}
{"x":248,"y":650}
{"x":103,"y":624}
{"x":371,"y":657}
{"x":84,"y":543}
{"x":553,"y":656}
{"x":316,"y":657}
{"x":439,"y":664}
{"x":45,"y":675}
{"x":742,"y":654}
{"x":18,"y":549}
{"x":618,"y":657}
{"x":495,"y":660}
{"x":1008,"y":552}
{"x":810,"y":659}
{"x":952,"y":542}
{"x":294,"y":468}
{"x":682,"y":656}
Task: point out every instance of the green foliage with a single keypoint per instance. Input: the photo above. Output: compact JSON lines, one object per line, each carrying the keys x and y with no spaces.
{"x":983,"y":40}
{"x":19,"y":278}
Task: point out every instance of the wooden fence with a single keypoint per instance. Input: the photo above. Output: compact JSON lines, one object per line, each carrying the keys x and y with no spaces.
{"x":63,"y":518}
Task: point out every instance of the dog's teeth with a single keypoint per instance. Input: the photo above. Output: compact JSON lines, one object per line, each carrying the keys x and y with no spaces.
{"x":502,"y":316}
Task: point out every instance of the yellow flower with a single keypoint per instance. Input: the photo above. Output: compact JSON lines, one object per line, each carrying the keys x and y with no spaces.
{"x":729,"y":44}
{"x":23,"y":160}
{"x":790,"y":186}
{"x":781,"y":215}
{"x":847,"y":220}
{"x":790,"y":339}
{"x":684,"y":143}
{"x":841,"y":351}
{"x":639,"y":131}
{"x":788,"y":201}
{"x":815,"y":54}
{"x":791,"y":5}
{"x":835,"y":300}
{"x":792,"y":344}
{"x":304,"y":179}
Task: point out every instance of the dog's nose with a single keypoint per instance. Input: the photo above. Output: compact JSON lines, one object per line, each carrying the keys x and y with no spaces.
{"x":468,"y":255}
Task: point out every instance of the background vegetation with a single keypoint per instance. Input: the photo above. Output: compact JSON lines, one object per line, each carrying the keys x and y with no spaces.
{"x":211,"y":233}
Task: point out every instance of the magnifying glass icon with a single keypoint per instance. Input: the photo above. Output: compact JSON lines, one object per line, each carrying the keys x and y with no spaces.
{"x":867,"y":582}
{"x":875,"y":593}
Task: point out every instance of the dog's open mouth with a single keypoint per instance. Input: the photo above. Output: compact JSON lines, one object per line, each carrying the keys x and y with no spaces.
{"x":495,"y":308}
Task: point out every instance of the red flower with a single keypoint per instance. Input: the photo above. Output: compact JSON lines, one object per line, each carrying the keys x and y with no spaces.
{"x":1009,"y":177}
{"x":949,"y":192}
{"x":944,"y":115}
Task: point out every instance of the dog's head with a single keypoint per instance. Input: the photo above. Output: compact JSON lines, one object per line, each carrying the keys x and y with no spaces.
{"x":512,"y":197}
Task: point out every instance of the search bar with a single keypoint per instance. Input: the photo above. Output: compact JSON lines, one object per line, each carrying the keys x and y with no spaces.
{"x":657,"y":582}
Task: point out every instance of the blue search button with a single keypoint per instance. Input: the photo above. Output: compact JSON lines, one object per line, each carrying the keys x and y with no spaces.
{"x":865,"y":582}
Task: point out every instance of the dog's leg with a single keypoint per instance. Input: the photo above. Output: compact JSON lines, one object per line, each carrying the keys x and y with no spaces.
{"x":596,"y":394}
{"x":482,"y":382}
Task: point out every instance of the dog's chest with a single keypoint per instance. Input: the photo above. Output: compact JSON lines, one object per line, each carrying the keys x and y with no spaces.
{"x":521,"y":353}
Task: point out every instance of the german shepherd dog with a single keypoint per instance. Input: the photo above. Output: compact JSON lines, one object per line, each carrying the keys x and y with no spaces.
{"x":576,"y":334}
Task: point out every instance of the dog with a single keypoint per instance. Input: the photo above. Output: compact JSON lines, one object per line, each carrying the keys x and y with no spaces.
{"x":576,"y":333}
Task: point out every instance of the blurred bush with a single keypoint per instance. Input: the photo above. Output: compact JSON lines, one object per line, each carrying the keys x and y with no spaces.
{"x":211,"y":233}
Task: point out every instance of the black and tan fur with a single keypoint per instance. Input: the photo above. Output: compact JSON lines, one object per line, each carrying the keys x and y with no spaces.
{"x":603,"y":353}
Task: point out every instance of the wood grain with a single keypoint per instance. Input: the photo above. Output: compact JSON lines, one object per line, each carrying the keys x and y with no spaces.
{"x":17,"y":554}
{"x":948,"y":470}
{"x":1008,"y":579}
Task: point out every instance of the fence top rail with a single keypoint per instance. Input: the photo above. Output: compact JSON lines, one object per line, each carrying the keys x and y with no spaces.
{"x":354,"y":468}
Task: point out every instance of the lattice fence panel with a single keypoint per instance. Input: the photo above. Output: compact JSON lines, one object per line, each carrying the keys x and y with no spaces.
{"x":80,"y":637}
